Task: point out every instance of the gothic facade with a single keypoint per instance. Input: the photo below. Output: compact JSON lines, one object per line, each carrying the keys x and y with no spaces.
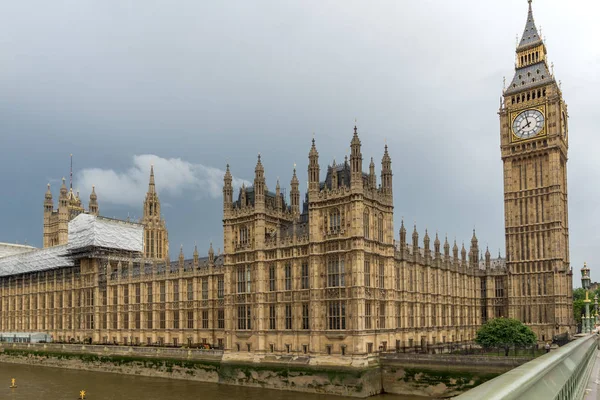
{"x":324,"y":273}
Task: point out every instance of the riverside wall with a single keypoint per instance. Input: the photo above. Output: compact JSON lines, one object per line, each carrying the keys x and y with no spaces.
{"x":441,"y":375}
{"x":266,"y":371}
{"x":432,"y":376}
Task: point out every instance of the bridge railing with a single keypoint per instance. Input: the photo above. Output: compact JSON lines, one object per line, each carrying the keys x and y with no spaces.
{"x":561,"y":374}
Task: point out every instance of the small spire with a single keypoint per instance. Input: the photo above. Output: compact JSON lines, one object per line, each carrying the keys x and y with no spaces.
{"x":71,"y":173}
{"x":151,"y":184}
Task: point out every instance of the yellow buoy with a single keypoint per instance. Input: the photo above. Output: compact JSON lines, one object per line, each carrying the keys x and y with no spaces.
{"x":82,"y":395}
{"x":13,"y":383}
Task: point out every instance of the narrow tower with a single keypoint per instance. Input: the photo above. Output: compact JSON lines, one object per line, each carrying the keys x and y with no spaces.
{"x":156,"y":236}
{"x":534,"y":143}
{"x":48,"y":210}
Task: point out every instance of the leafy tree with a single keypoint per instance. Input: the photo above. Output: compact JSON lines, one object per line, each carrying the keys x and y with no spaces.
{"x":504,"y":332}
{"x":578,"y":304}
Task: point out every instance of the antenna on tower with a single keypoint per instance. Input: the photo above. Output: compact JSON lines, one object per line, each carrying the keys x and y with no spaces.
{"x":71,"y":173}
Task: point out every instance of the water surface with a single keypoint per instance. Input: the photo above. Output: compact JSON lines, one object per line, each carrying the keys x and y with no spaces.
{"x":47,"y":383}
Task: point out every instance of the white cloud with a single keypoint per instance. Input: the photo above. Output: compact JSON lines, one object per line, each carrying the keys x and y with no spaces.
{"x":173,"y":176}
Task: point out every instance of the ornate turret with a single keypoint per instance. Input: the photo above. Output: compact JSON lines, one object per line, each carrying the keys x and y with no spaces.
{"x":372,"y":176}
{"x":455,"y":252}
{"x":313,"y":168}
{"x":278,"y":196}
{"x":295,"y":194}
{"x":463,"y":254}
{"x":402,"y":234}
{"x":426,"y":240}
{"x":181,"y":257}
{"x":211,"y":254}
{"x":415,"y":238}
{"x":386,"y":172}
{"x":474,"y":251}
{"x":227,"y":190}
{"x":48,"y":202}
{"x":63,"y":198}
{"x":196,"y":256}
{"x":334,"y":175}
{"x":259,"y":184}
{"x":93,"y":205}
{"x":436,"y":245}
{"x":355,"y":161}
{"x":446,"y":247}
{"x":243,"y":196}
{"x":487,"y":258}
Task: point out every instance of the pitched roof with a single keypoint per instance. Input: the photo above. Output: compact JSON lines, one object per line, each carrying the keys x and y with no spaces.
{"x":530,"y":33}
{"x":529,"y":77}
{"x":88,"y":230}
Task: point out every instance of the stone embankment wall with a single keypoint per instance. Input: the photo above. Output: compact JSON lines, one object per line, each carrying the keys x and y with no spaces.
{"x":275,"y":372}
{"x":432,"y":376}
{"x":440,"y":376}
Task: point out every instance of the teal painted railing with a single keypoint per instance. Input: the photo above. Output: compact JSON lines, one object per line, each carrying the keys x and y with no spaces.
{"x":561,"y":374}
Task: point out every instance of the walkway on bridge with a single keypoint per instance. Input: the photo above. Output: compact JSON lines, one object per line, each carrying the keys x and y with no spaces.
{"x":592,"y":392}
{"x":560,"y":375}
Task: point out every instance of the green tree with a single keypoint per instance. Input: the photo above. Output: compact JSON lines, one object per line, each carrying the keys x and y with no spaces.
{"x":578,"y":304}
{"x":504,"y":332}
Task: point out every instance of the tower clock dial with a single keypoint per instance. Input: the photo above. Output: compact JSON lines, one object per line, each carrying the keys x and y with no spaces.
{"x":528,"y":124}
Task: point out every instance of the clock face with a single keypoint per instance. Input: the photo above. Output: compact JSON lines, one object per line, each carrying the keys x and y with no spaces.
{"x":528,"y":124}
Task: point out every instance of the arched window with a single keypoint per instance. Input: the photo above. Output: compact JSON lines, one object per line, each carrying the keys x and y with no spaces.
{"x":380,"y":228}
{"x":366,"y":223}
{"x":334,"y":220}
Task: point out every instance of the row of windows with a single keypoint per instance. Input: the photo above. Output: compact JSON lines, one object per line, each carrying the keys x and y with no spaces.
{"x":126,"y":321}
{"x":86,"y":297}
{"x":288,"y":317}
{"x":288,"y":275}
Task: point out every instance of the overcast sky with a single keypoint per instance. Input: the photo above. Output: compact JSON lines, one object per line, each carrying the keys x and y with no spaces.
{"x":192,"y":85}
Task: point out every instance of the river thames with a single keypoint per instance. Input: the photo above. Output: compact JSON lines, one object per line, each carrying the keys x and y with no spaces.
{"x":47,"y":383}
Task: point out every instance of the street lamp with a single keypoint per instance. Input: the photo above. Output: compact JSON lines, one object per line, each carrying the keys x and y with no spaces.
{"x":596,"y":309}
{"x":586,"y":323}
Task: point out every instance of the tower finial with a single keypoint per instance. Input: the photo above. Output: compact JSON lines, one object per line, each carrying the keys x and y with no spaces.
{"x":71,"y":174}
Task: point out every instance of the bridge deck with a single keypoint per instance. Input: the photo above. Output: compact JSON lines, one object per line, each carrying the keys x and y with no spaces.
{"x":591,"y":391}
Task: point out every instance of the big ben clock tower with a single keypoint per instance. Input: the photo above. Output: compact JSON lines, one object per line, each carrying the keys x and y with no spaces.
{"x":534,"y":143}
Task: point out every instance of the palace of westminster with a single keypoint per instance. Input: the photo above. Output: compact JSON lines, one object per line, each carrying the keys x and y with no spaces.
{"x":321,"y":273}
